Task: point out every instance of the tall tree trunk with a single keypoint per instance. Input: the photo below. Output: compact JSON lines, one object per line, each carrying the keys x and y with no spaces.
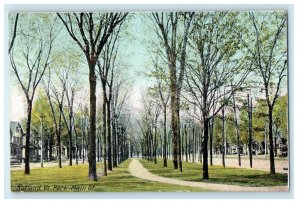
{"x":59,"y":135}
{"x":92,"y":140}
{"x":70,"y":137}
{"x":104,"y":128}
{"x":250,"y":129}
{"x":151,"y":144}
{"x":76,"y":147}
{"x":177,"y":118}
{"x":275,"y":141}
{"x":266,"y":132}
{"x":46,"y":151}
{"x":148,"y":146}
{"x":201,"y":136}
{"x":237,"y":130}
{"x":98,"y":147}
{"x":204,"y":148}
{"x":82,"y":139}
{"x":155,"y":144}
{"x":194,"y":143}
{"x":189,"y":145}
{"x":169,"y":147}
{"x":161,"y":147}
{"x":114,"y":132}
{"x":174,"y":121}
{"x":109,"y":154}
{"x":178,"y":131}
{"x":27,"y":142}
{"x":271,"y":147}
{"x":186,"y":144}
{"x":59,"y":149}
{"x":165,"y":137}
{"x":211,"y":141}
{"x":123,"y":145}
{"x":223,"y":137}
{"x":119,"y":143}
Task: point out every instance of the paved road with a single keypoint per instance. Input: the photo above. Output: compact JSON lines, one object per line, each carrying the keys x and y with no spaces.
{"x":138,"y":170}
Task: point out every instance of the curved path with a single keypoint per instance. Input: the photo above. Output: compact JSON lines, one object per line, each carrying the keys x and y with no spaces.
{"x":139,"y":171}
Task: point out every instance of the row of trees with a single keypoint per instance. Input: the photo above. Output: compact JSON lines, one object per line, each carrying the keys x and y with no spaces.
{"x":228,"y":134}
{"x":230,"y":54}
{"x":205,"y":66}
{"x":57,"y":136}
{"x":40,"y":61}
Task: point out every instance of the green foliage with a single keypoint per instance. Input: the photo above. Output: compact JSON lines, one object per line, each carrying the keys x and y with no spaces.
{"x":260,"y":119}
{"x":41,"y":113}
{"x":265,"y":37}
{"x":230,"y":131}
{"x":217,"y":139}
{"x":213,"y":26}
{"x":280,"y":115}
{"x":243,"y":123}
{"x":215,"y":59}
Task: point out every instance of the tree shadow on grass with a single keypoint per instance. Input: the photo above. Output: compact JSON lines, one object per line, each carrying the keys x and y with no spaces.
{"x":259,"y":180}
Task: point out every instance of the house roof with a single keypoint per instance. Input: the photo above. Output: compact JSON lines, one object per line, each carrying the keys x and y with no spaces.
{"x":13,"y":128}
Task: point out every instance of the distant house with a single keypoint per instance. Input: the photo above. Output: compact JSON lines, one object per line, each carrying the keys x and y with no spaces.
{"x":233,"y":149}
{"x":16,"y":142}
{"x":17,"y":146}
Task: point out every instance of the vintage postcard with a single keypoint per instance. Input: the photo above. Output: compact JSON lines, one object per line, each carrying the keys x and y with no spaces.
{"x":148,"y":101}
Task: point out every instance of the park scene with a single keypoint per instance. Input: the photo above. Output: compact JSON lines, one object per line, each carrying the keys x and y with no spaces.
{"x":148,"y":101}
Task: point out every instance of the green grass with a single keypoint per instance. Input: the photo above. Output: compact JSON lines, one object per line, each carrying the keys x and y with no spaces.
{"x":66,"y":178}
{"x":217,"y":174}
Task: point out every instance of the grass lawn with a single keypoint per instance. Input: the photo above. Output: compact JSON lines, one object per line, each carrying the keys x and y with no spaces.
{"x":74,"y":179}
{"x":217,"y":174}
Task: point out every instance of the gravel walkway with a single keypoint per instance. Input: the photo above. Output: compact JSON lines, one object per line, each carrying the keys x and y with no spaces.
{"x":139,"y":171}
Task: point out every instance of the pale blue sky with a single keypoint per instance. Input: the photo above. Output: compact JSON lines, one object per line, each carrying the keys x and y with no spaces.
{"x":133,"y":51}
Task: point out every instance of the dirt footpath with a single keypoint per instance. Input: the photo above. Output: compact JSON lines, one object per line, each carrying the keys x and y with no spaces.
{"x":138,"y":170}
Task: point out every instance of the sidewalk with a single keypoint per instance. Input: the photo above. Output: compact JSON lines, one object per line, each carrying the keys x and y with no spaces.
{"x":16,"y":167}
